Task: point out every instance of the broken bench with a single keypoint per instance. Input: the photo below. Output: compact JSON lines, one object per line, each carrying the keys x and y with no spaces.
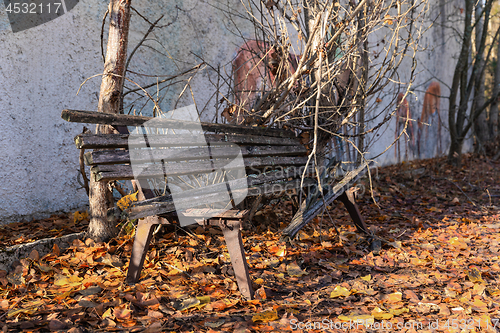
{"x":273,"y":161}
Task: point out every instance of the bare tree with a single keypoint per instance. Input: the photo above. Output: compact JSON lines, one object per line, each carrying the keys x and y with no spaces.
{"x":348,"y":52}
{"x":100,"y":194}
{"x":468,"y":77}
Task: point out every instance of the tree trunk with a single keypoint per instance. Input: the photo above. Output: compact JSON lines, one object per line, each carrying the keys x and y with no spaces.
{"x":457,"y":109}
{"x":363,"y":75}
{"x":101,"y":197}
{"x":494,"y":125}
{"x":481,"y":124}
{"x":455,"y":153}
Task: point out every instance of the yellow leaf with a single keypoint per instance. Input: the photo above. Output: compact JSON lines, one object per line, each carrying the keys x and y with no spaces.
{"x":108,"y":314}
{"x":458,"y":243}
{"x":479,"y":306}
{"x":366,"y":278}
{"x":294,"y":270}
{"x":265,"y":317}
{"x":125,"y":202}
{"x":398,"y":312}
{"x":339,"y":291}
{"x":493,"y":291}
{"x":435,"y":209}
{"x":71,"y":281}
{"x":15,"y":312}
{"x":475,"y":275}
{"x":183,"y":304}
{"x":417,"y":262}
{"x":388,"y":19}
{"x":204,"y":300}
{"x":394,"y":297}
{"x":80,"y":216}
{"x":357,"y":318}
{"x":379,"y":314}
{"x":256,"y":248}
{"x":259,"y":281}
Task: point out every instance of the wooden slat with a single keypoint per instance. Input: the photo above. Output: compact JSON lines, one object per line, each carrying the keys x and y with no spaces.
{"x":103,"y":141}
{"x":185,"y":154}
{"x":270,"y":178}
{"x":124,"y":172}
{"x":216,"y":213}
{"x":302,"y":218}
{"x":165,"y":207}
{"x":92,"y":117}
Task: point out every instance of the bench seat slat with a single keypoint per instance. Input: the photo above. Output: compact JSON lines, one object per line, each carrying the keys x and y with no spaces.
{"x":201,"y":199}
{"x":124,"y":172}
{"x":183,"y":154}
{"x":270,"y":178}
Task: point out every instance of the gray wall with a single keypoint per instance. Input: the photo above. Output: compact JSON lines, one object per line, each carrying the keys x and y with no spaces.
{"x":42,"y":68}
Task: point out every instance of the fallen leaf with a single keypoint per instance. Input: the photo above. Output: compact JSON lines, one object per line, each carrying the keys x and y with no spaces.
{"x":475,"y":275}
{"x":215,"y":324}
{"x":80,"y":216}
{"x":56,"y":325}
{"x":67,"y":281}
{"x":458,"y":243}
{"x":127,"y":200}
{"x":358,"y":318}
{"x":479,"y":306}
{"x":366,"y":277}
{"x":259,"y":281}
{"x":294,"y":270}
{"x":393,"y":298}
{"x":398,"y":312}
{"x":265,"y":317}
{"x":122,"y":313}
{"x":339,"y":291}
{"x":277,"y":250}
{"x":379,"y":314}
{"x":184,"y":304}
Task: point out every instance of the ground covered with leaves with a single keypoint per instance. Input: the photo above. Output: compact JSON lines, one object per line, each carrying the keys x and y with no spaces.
{"x":431,"y":265}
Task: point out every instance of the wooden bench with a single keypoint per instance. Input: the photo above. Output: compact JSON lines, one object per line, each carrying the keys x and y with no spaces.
{"x":274,"y":161}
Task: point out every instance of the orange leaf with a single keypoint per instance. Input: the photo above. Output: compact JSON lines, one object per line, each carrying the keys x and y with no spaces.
{"x":55,"y":250}
{"x":277,"y":251}
{"x":122,"y":313}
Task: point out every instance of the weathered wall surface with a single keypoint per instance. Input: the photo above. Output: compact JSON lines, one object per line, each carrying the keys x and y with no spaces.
{"x":435,"y":67}
{"x":42,"y":68}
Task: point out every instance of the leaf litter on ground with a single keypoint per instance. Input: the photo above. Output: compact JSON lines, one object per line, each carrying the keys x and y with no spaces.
{"x":438,"y":260}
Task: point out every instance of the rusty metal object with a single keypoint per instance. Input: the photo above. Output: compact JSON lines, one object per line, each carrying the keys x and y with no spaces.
{"x":349,"y":202}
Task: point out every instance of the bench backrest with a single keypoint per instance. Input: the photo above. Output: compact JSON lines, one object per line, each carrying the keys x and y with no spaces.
{"x":273,"y":158}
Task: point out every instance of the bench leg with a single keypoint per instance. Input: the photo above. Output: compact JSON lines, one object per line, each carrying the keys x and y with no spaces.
{"x":143,"y":235}
{"x":234,"y":243}
{"x":349,"y":202}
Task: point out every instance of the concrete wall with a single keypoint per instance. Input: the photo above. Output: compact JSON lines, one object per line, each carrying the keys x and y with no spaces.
{"x":42,"y":68}
{"x":435,"y":63}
